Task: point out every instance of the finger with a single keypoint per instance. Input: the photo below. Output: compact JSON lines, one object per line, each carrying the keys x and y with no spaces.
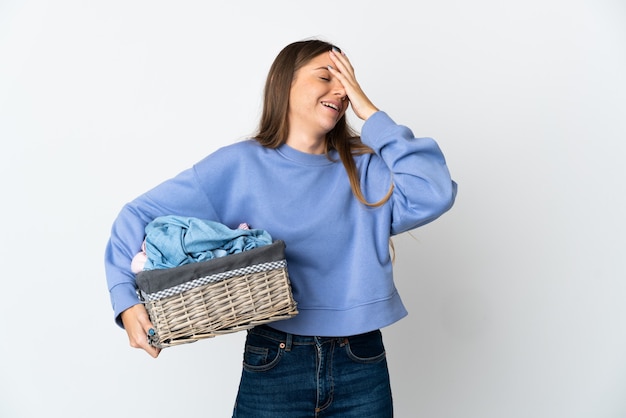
{"x":150,"y":339}
{"x":349,"y":83}
{"x":142,"y":338}
{"x":153,"y":351}
{"x":345,"y":75}
{"x":341,"y":57}
{"x":338,"y":56}
{"x":145,"y":342}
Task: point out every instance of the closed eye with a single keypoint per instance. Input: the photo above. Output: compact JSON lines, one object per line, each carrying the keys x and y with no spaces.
{"x":323,"y":73}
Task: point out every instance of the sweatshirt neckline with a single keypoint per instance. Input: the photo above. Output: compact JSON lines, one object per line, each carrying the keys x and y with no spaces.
{"x":304,"y":158}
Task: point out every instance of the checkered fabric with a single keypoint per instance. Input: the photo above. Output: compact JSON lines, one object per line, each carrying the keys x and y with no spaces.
{"x":257,"y":268}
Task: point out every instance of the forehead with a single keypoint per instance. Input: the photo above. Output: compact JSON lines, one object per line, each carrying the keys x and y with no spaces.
{"x":320,"y":61}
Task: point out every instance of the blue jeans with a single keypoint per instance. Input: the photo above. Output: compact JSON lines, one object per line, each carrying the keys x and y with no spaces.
{"x":292,"y":376}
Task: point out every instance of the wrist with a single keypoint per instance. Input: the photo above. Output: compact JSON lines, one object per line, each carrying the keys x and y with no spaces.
{"x":367,"y":113}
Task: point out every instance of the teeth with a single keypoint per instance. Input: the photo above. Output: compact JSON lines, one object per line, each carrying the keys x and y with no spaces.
{"x":331,"y":105}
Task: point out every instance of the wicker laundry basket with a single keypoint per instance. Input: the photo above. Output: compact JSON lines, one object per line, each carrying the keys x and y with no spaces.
{"x":218,"y":296}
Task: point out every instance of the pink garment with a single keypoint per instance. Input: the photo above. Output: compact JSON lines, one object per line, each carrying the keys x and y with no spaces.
{"x":139,"y":260}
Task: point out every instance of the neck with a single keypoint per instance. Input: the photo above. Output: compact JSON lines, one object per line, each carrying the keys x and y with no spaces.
{"x":307,"y":143}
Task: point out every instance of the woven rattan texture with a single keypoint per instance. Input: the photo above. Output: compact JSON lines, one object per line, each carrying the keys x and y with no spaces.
{"x":227,"y":306}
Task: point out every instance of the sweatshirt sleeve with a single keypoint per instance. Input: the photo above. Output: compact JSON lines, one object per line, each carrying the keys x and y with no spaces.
{"x":423,"y":187}
{"x":181,"y":195}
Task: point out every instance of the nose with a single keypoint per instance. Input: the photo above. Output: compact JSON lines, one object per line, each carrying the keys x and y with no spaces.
{"x":338,"y":90}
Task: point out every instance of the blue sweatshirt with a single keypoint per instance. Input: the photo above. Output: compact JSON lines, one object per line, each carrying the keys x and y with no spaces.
{"x":337,"y":249}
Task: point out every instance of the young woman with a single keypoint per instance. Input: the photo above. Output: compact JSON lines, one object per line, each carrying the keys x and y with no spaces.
{"x":335,"y":199}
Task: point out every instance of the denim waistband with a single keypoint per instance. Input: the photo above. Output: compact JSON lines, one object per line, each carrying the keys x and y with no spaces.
{"x":294,"y":339}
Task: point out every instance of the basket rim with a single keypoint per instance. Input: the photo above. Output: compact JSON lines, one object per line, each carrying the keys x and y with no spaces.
{"x":214,"y":278}
{"x":152,"y":281}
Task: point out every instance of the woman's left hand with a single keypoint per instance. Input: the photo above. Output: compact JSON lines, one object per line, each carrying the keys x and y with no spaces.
{"x":343,"y":70}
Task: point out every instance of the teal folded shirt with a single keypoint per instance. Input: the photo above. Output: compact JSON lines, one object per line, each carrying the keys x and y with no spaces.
{"x":173,"y":241}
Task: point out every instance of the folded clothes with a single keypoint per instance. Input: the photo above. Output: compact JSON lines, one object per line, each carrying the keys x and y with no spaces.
{"x":173,"y":241}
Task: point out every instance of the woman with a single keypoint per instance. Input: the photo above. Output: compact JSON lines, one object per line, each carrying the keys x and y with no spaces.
{"x":335,"y":199}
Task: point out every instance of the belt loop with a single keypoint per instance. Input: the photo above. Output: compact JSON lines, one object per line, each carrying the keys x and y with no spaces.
{"x":288,"y":341}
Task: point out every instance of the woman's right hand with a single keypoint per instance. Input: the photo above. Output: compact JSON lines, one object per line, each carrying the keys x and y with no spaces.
{"x":361,"y":105}
{"x":137,"y":325}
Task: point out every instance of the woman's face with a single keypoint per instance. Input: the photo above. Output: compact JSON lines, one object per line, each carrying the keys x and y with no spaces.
{"x":317,"y":100}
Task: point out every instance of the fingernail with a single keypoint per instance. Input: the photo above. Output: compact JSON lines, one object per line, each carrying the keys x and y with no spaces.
{"x":330,"y":67}
{"x":151,"y":332}
{"x":336,"y":49}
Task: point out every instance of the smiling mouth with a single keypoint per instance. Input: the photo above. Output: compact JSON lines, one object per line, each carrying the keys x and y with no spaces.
{"x":332,"y":106}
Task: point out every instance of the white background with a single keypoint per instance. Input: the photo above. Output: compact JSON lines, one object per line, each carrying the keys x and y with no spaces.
{"x":516,"y":296}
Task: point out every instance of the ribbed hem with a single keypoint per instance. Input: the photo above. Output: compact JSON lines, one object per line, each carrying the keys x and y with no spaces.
{"x":336,"y":323}
{"x":123,"y":296}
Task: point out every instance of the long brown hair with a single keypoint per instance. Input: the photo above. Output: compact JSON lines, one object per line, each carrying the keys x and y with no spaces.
{"x":274,"y":124}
